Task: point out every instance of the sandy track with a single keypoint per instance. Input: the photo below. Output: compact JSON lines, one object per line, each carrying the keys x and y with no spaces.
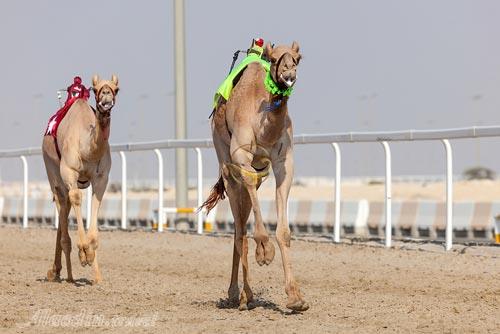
{"x":179,"y":279}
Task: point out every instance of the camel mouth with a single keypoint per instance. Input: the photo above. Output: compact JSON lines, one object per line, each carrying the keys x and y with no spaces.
{"x":288,"y":82}
{"x":106,"y":105}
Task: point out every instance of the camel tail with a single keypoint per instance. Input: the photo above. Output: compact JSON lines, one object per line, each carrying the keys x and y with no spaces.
{"x":216,"y":194}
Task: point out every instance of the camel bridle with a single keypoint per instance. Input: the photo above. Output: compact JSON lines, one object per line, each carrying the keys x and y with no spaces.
{"x":278,"y":63}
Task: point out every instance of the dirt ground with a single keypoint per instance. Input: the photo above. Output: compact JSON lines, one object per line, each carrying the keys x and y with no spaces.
{"x":175,"y":282}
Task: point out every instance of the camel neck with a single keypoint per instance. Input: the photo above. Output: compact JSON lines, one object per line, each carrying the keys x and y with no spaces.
{"x":277,"y":108}
{"x":277,"y":103}
{"x":102,"y":129}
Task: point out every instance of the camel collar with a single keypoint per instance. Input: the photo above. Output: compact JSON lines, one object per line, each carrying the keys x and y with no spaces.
{"x":273,"y":105}
{"x":272,"y":87}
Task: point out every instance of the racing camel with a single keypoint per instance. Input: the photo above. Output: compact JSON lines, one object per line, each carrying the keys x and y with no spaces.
{"x":252,"y":131}
{"x":75,"y":157}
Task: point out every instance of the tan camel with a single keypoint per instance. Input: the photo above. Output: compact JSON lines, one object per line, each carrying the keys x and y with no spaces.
{"x":85,"y":159}
{"x":252,"y":131}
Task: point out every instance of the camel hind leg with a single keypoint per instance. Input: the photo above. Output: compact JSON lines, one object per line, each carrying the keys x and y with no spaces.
{"x":54,"y":273}
{"x":240,"y":207}
{"x":63,"y":242}
{"x":65,"y":238}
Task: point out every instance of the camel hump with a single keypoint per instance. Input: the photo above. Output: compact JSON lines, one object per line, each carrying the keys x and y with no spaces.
{"x":81,"y":103}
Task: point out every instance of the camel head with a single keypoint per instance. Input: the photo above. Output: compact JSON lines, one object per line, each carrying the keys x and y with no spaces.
{"x":284,"y":61}
{"x":105,"y":92}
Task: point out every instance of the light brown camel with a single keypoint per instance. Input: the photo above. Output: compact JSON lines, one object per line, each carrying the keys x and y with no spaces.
{"x":85,"y":159}
{"x":252,"y":131}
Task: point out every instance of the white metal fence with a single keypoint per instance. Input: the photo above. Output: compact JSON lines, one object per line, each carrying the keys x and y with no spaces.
{"x":443,"y":135}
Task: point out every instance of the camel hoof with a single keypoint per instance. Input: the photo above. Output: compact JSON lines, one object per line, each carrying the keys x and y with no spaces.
{"x":52,"y":276}
{"x":70,"y":280}
{"x":82,"y":256}
{"x":259,"y":254}
{"x":90,"y":256}
{"x":264,"y":253}
{"x":269,"y":252}
{"x":233,"y":295}
{"x":298,"y":306}
{"x":246,"y":298}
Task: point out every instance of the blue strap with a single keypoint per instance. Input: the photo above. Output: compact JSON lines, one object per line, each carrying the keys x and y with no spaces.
{"x":273,"y":106}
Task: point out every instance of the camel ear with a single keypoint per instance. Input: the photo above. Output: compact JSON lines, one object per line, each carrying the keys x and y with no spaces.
{"x":95,"y":80}
{"x":268,"y":50}
{"x":295,"y":46}
{"x":114,"y":79}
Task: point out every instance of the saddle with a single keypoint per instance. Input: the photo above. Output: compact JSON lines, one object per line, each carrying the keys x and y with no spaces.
{"x":75,"y":91}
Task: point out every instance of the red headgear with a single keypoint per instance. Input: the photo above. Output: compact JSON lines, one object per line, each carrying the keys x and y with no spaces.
{"x":77,"y":90}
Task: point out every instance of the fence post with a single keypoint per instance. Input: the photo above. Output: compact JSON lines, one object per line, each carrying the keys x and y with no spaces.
{"x":449,"y":194}
{"x":200,"y":190}
{"x":388,"y":195}
{"x":124,"y":190}
{"x":336,"y":226}
{"x":160,"y":189}
{"x":25,"y":191}
{"x":89,"y":205}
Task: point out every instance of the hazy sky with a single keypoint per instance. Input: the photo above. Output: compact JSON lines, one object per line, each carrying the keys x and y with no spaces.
{"x":367,"y":65}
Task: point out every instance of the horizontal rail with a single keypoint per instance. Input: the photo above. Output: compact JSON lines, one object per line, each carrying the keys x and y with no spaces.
{"x":328,"y":138}
{"x":405,"y":135}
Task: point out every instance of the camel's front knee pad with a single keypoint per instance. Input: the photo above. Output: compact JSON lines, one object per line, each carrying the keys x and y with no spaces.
{"x":66,"y":242}
{"x":75,"y":197}
{"x":284,"y":235}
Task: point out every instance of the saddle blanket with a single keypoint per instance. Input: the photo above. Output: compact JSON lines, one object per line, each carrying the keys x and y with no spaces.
{"x":56,"y":119}
{"x":226,"y":87}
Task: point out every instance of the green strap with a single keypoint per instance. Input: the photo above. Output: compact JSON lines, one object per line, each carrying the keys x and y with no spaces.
{"x":273,"y":88}
{"x":226,"y":87}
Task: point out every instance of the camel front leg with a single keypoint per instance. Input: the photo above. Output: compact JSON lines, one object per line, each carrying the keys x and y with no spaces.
{"x":243,"y":170}
{"x":70,"y":178}
{"x":98,"y":188}
{"x":234,"y":291}
{"x":63,"y":238}
{"x":283,"y":172}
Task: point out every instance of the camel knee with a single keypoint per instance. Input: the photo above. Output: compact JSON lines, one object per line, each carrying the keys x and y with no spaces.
{"x":60,"y":194}
{"x":284,"y":236}
{"x":75,"y":197}
{"x":225,"y":172}
{"x":66,"y":243}
{"x":238,"y":245}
